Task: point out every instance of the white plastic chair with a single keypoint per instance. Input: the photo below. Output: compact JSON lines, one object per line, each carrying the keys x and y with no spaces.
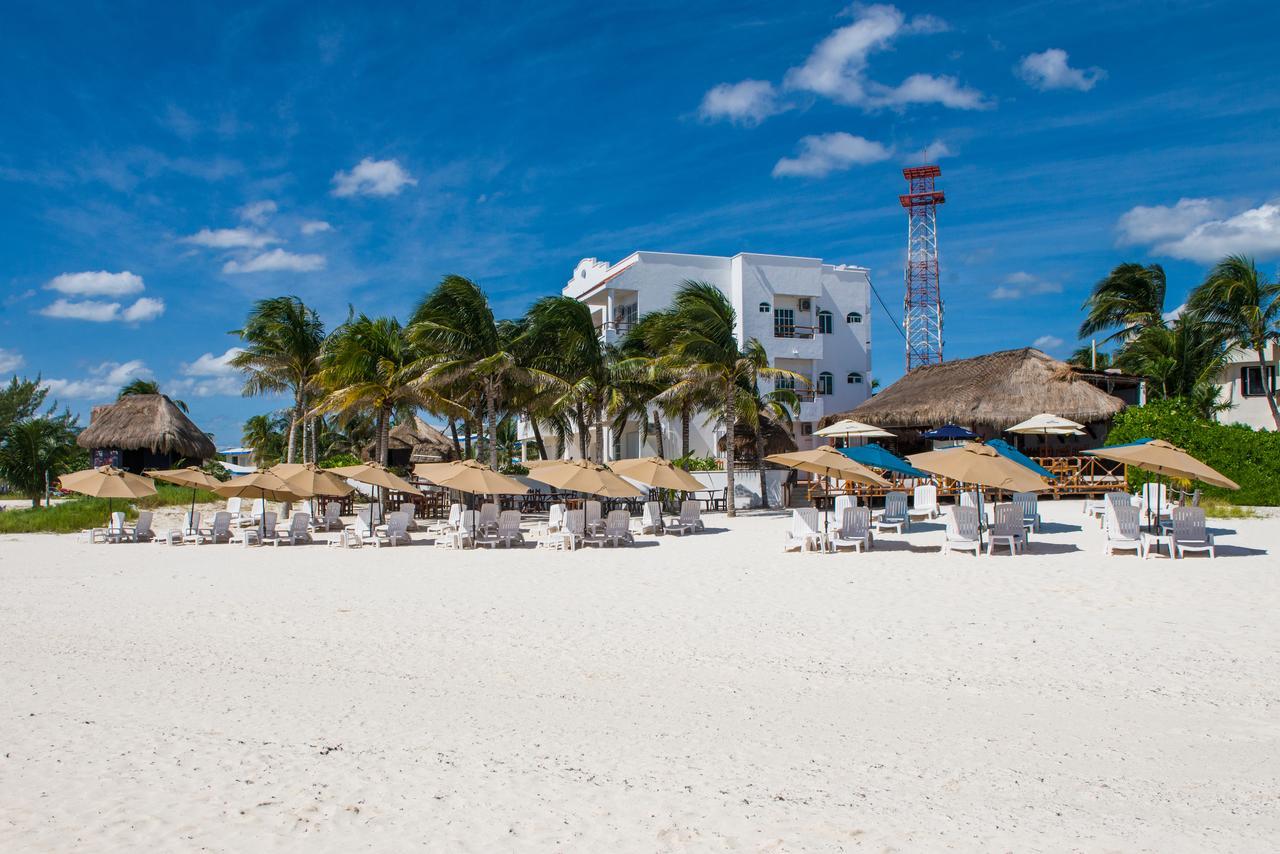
{"x":1123,"y":530}
{"x":843,"y":503}
{"x":804,"y":530}
{"x":221,"y":530}
{"x":116,"y":530}
{"x":855,"y":529}
{"x":574,"y":531}
{"x":330,"y":521}
{"x":507,"y":533}
{"x":297,"y":532}
{"x":1189,"y":534}
{"x":925,"y":502}
{"x":651,"y":518}
{"x":689,"y":520}
{"x":962,"y":531}
{"x":488,"y":518}
{"x":894,"y":516}
{"x":1008,"y":529}
{"x":1029,"y":505}
{"x":141,"y":531}
{"x":616,"y":530}
{"x":191,"y":532}
{"x":593,"y":510}
{"x":395,"y":532}
{"x":363,"y":524}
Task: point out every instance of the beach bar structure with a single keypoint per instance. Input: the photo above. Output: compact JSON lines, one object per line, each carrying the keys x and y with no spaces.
{"x":414,"y":442}
{"x":144,"y":431}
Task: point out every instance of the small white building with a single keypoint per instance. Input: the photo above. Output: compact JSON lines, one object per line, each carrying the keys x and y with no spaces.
{"x":237,"y":456}
{"x":812,"y":318}
{"x":1243,"y":384}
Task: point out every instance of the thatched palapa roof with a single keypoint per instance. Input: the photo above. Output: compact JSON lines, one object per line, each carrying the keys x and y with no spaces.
{"x":776,"y":440}
{"x":146,"y":422}
{"x":996,"y":390}
{"x":426,"y":444}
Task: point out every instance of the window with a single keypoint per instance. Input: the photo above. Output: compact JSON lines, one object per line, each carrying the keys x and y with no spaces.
{"x":625,"y":316}
{"x":785,"y":382}
{"x":784,"y":323}
{"x":764,"y":307}
{"x":824,"y":322}
{"x":1251,"y":381}
{"x":806,"y":429}
{"x":854,"y":377}
{"x":853,"y":317}
{"x":824,"y":382}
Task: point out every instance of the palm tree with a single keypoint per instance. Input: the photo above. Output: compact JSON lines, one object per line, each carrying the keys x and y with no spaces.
{"x":763,"y":406}
{"x":283,"y":341}
{"x":464,"y":348}
{"x":1131,"y":297}
{"x":141,"y":386}
{"x":646,"y":342}
{"x":35,"y":451}
{"x":369,"y":364}
{"x":1090,"y":358}
{"x":265,"y":434}
{"x":1181,"y":360}
{"x":702,"y":355}
{"x":1244,"y":309}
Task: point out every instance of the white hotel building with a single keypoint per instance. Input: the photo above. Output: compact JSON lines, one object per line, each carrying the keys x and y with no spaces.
{"x":812,"y":318}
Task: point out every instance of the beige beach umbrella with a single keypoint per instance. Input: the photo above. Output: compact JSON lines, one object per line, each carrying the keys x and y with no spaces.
{"x":583,"y":476}
{"x":657,"y":473}
{"x":826,"y":461}
{"x":850,"y":429}
{"x":191,"y":476}
{"x":1160,"y":457}
{"x":470,"y":476}
{"x":311,"y":478}
{"x":981,"y":466}
{"x":107,"y":482}
{"x":1047,"y":424}
{"x":263,"y":485}
{"x":374,"y":474}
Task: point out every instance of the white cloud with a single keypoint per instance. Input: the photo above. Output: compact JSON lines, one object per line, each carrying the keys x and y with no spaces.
{"x":1021,"y":284}
{"x":1051,"y":70}
{"x":1153,"y":224}
{"x":10,"y":360}
{"x":257,"y":212}
{"x":231,"y":238}
{"x":277,"y":260}
{"x":830,"y":152}
{"x":94,"y":310}
{"x":931,"y":153}
{"x":1048,"y":342}
{"x":103,"y":381}
{"x":96,"y":284}
{"x":315,"y":226}
{"x":747,"y":103}
{"x":210,"y":376}
{"x":372,"y":178}
{"x":146,"y":308}
{"x":836,"y":68}
{"x":1198,"y":230}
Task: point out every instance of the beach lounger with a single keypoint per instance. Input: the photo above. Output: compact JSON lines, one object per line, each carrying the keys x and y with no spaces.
{"x":395,"y":532}
{"x":507,"y":533}
{"x":1009,"y":529}
{"x":593,"y":517}
{"x":894,"y":516}
{"x":855,"y":529}
{"x":803,"y":535}
{"x":924,"y":502}
{"x":141,"y":531}
{"x":1189,"y":534}
{"x":465,"y":534}
{"x":221,"y":530}
{"x":651,"y":518}
{"x":1029,"y":505}
{"x":1123,"y":529}
{"x":688,"y":522}
{"x":330,"y":521}
{"x":843,"y":503}
{"x":449,"y":525}
{"x":574,"y":531}
{"x":299,"y":531}
{"x":691,"y":510}
{"x":616,"y":530}
{"x":239,"y":518}
{"x":191,"y":530}
{"x":488,"y":522}
{"x":962,"y":531}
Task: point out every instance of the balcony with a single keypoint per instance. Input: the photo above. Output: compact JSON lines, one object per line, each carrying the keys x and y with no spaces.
{"x":790,"y":330}
{"x":613,"y":331}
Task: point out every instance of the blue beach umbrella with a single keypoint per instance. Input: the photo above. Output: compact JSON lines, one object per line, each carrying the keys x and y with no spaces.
{"x":949,"y":431}
{"x":1004,"y":449}
{"x":877,"y":457}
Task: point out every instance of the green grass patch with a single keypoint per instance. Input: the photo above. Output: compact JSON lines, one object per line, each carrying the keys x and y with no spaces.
{"x":1216,"y":509}
{"x":65,"y":518}
{"x":169,"y":495}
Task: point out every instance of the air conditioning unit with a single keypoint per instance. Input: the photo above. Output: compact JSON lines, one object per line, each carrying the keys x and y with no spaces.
{"x":804,"y":305}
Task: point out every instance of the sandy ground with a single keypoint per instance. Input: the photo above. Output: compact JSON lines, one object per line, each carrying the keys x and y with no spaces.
{"x":697,"y":694}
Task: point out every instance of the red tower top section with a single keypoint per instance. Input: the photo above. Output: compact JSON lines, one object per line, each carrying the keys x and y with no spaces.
{"x":920,"y":187}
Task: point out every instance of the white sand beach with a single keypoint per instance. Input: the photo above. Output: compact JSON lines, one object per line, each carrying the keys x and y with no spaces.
{"x":699,"y":694}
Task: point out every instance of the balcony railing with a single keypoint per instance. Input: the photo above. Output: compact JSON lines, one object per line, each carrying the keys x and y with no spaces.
{"x":616,"y":327}
{"x":804,"y":395}
{"x":791,"y":330}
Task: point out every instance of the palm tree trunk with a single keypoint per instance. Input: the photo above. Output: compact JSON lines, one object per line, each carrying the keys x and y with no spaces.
{"x":731,"y":426}
{"x":600,"y":455}
{"x":659,"y":441}
{"x":383,"y":434}
{"x":537,"y":438}
{"x":453,"y":432}
{"x":1270,"y":392}
{"x":764,"y":487}
{"x":491,"y":404}
{"x":466,"y":438}
{"x":293,"y":428}
{"x":685,"y":417}
{"x":582,"y":432}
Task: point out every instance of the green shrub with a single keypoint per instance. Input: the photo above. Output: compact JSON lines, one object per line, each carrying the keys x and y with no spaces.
{"x":696,"y":463}
{"x":170,"y":494}
{"x":65,"y":518}
{"x":337,"y":460}
{"x":1249,"y":457}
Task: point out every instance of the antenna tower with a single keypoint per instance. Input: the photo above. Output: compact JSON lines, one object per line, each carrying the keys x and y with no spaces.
{"x":922,"y":307}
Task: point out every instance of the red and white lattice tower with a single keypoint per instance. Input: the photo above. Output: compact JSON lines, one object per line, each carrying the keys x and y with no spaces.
{"x":922,"y":307}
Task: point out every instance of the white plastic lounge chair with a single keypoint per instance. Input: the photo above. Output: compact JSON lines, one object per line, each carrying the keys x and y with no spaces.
{"x":651,"y":518}
{"x":330,"y":521}
{"x":297,"y":532}
{"x":363,"y":524}
{"x":804,"y":531}
{"x":1008,"y":529}
{"x":843,"y":503}
{"x":395,"y":532}
{"x":925,"y":502}
{"x":1123,"y":530}
{"x":117,"y":531}
{"x":239,"y":518}
{"x":141,"y":531}
{"x":962,"y":531}
{"x":191,"y":530}
{"x":1155,"y":499}
{"x":488,"y":518}
{"x":258,"y":510}
{"x":465,"y":536}
{"x":1029,"y":505}
{"x":593,"y":510}
{"x":616,"y":530}
{"x":507,"y":533}
{"x":221,"y":530}
{"x":553,"y":536}
{"x":574,"y":531}
{"x":689,"y":520}
{"x":1189,"y":534}
{"x":555,"y":517}
{"x":267,"y":527}
{"x":894,"y":516}
{"x":855,"y":529}
{"x":448,"y":525}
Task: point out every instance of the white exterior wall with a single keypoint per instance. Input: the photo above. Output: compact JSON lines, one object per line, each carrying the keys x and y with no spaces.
{"x":650,"y":280}
{"x":1252,"y":410}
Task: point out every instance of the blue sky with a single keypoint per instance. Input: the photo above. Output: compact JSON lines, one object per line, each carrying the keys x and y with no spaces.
{"x":162,"y":168}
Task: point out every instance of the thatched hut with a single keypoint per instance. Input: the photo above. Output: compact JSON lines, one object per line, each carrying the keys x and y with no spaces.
{"x":988,"y":394}
{"x":144,"y":431}
{"x":412,"y":442}
{"x":777,"y":440}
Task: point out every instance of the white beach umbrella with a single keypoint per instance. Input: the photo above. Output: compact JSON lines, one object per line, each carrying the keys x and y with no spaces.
{"x":1048,"y":424}
{"x":848,"y":428}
